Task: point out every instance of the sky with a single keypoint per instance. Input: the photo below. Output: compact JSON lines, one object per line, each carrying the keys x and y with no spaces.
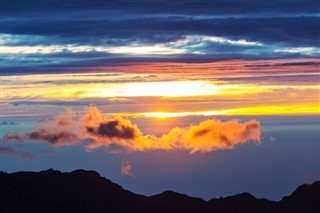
{"x":207,"y":98}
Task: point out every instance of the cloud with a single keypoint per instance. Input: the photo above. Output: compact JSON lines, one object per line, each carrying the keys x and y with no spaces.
{"x":126,"y":169}
{"x":161,"y":29}
{"x":12,"y":152}
{"x":126,"y":31}
{"x":54,"y":49}
{"x":212,"y":135}
{"x":6,"y":123}
{"x":93,"y":130}
{"x":300,"y":50}
{"x":107,"y":132}
{"x":61,"y":131}
{"x":14,"y":137}
{"x":129,"y":8}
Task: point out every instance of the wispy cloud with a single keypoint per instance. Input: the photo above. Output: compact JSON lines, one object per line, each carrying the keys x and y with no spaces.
{"x":141,"y":49}
{"x":13,"y":152}
{"x":312,"y":51}
{"x":126,"y":169}
{"x":196,"y":44}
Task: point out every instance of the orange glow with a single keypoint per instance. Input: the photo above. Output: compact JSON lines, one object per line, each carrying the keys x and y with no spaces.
{"x":276,"y":110}
{"x":259,"y":110}
{"x":177,"y":114}
{"x":142,"y":89}
{"x":175,"y":89}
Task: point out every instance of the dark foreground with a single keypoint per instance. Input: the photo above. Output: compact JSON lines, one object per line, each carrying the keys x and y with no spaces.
{"x":87,"y":191}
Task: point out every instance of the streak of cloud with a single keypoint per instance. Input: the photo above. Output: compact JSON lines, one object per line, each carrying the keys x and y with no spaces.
{"x":12,"y":152}
{"x":14,"y":137}
{"x":93,"y":130}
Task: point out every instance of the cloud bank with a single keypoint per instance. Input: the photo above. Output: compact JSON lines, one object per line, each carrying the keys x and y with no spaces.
{"x":93,"y":130}
{"x":123,"y":32}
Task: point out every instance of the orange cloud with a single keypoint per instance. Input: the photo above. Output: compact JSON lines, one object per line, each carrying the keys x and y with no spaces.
{"x":212,"y":135}
{"x":93,"y":131}
{"x":106,"y":132}
{"x":126,"y":169}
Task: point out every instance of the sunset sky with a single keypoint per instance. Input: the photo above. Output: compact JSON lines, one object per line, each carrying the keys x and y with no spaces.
{"x":207,"y":98}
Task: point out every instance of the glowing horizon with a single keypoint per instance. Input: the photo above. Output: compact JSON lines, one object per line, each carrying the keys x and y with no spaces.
{"x":260,"y":110}
{"x":165,"y":95}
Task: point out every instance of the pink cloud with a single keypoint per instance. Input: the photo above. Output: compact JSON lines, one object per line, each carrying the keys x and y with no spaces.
{"x":126,"y":169}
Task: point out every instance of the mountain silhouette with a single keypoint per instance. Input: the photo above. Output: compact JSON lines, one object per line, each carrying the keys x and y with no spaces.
{"x":87,"y":191}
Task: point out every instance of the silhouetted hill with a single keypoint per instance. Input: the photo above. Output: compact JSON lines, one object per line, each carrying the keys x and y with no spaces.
{"x":305,"y":198}
{"x":243,"y":202}
{"x":170,"y":201}
{"x":87,"y":191}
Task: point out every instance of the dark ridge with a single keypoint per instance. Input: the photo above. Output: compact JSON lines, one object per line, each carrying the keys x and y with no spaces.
{"x":170,"y":201}
{"x":87,"y":191}
{"x":243,"y":202}
{"x":305,"y":198}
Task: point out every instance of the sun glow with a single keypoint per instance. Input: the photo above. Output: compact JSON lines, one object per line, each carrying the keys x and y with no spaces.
{"x":259,"y":110}
{"x":179,"y":114}
{"x":159,"y":96}
{"x":164,"y":89}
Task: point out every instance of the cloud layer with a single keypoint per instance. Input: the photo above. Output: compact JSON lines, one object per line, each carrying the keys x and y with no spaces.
{"x":50,"y":36}
{"x":93,"y":130}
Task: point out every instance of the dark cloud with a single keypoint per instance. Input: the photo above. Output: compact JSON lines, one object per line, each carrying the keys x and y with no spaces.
{"x":192,"y":7}
{"x":275,"y":24}
{"x":301,"y":30}
{"x":309,"y":63}
{"x":13,"y":137}
{"x":61,"y":131}
{"x":53,"y":138}
{"x":113,"y":129}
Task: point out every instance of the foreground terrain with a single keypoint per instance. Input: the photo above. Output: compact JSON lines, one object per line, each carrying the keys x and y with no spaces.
{"x":87,"y":191}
